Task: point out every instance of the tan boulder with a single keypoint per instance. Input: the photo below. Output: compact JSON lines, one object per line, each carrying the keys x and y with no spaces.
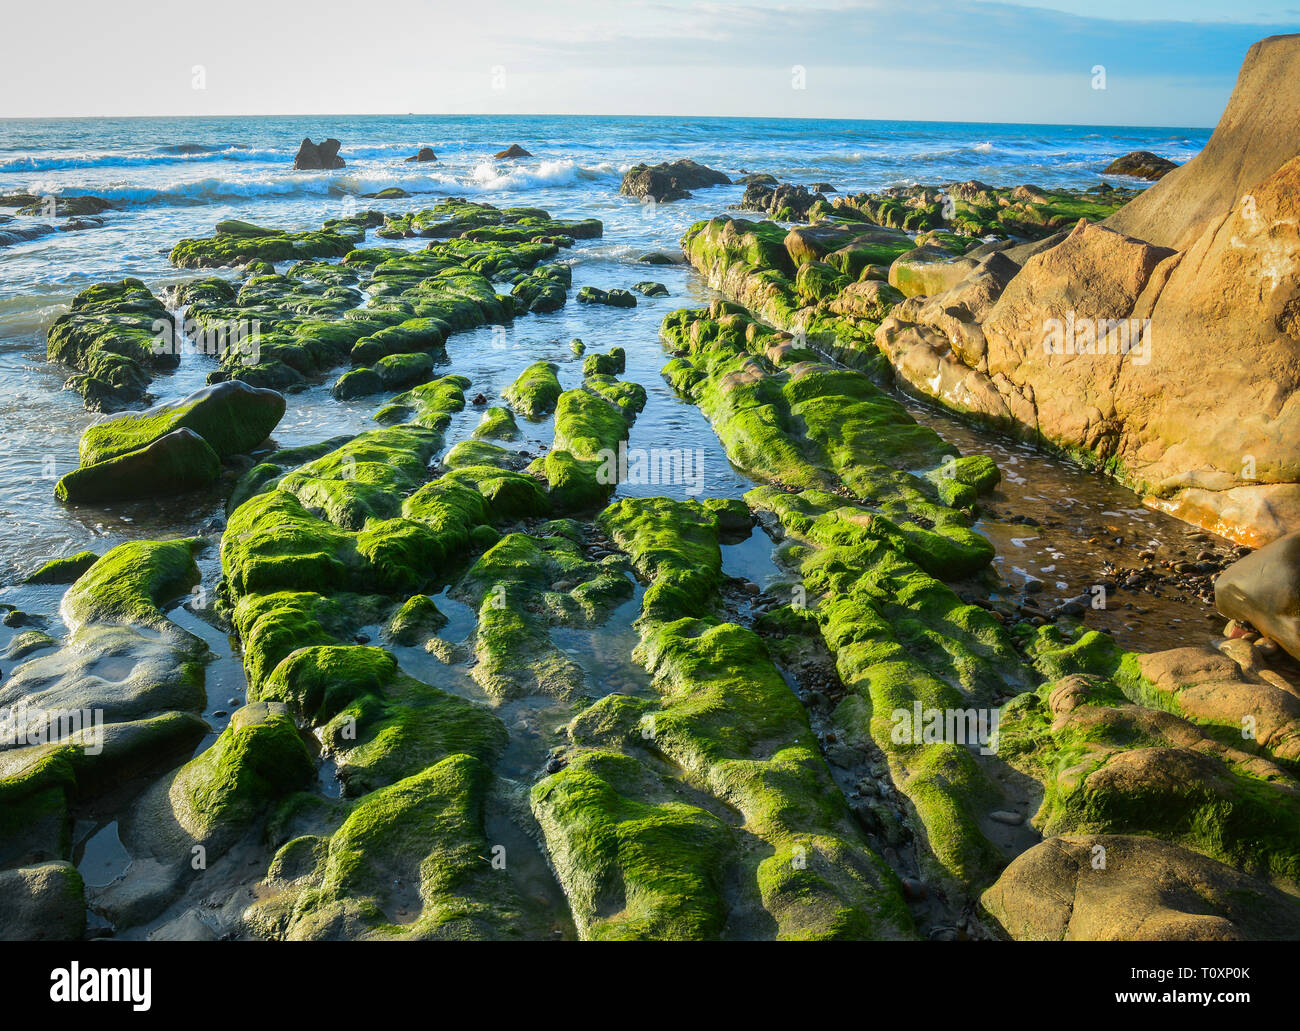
{"x":1109,"y":887}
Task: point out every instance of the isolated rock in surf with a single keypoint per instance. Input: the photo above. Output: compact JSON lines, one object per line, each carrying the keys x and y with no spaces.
{"x":318,"y":156}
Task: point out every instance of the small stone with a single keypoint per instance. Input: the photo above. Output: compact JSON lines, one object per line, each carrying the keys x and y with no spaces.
{"x":913,"y":890}
{"x":1009,"y":818}
{"x":479,"y":399}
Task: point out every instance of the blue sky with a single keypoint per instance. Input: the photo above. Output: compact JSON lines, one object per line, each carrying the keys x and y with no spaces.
{"x":1167,"y":62}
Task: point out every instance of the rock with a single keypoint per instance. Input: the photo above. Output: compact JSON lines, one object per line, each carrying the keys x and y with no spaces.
{"x":391,"y":193}
{"x":423,"y":154}
{"x":12,"y":232}
{"x":649,"y":289}
{"x":1256,"y":135}
{"x":512,"y":151}
{"x":188,"y":927}
{"x":63,"y":570}
{"x":174,"y":463}
{"x":42,"y":903}
{"x":822,"y":188}
{"x":1140,"y":164}
{"x":1263,"y":589}
{"x":66,"y":207}
{"x":785,"y":203}
{"x":1009,"y":818}
{"x":1147,"y":890}
{"x":670,"y":180}
{"x":318,"y":156}
{"x":759,"y":178}
{"x":614,"y":298}
{"x":232,"y":417}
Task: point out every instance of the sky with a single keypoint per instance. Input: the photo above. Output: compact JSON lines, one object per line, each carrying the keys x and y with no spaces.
{"x":1161,"y":62}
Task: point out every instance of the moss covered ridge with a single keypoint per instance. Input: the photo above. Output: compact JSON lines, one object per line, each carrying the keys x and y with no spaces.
{"x":638,"y":861}
{"x":789,"y":419}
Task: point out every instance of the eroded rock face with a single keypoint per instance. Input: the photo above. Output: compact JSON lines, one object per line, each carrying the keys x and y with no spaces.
{"x":318,"y":156}
{"x":1144,"y":890}
{"x":1161,"y":346}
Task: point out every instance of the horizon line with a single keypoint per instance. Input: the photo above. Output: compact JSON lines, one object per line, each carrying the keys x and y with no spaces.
{"x":486,"y":114}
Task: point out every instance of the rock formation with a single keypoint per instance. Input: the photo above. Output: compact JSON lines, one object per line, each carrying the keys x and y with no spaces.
{"x":1140,"y":164}
{"x":318,"y":156}
{"x":1162,"y":345}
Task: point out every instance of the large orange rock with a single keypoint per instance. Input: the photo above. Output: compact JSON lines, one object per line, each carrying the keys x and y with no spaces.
{"x":1162,"y":345}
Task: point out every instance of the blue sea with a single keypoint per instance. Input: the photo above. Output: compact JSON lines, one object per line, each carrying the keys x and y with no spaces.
{"x":176,"y":177}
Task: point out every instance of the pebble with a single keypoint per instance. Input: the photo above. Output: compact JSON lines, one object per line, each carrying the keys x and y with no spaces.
{"x":479,"y":399}
{"x":1005,"y":816}
{"x":913,"y":890}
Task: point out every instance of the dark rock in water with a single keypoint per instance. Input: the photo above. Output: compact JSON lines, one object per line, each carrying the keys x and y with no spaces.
{"x":649,"y":289}
{"x":423,"y":154}
{"x":512,"y":151}
{"x":1141,"y":164}
{"x":658,"y":258}
{"x":313,"y":157}
{"x":670,"y":180}
{"x":12,"y":231}
{"x":822,"y":188}
{"x":172,"y":464}
{"x":761,"y":178}
{"x":73,"y":225}
{"x":65,"y":207}
{"x":1263,"y":589}
{"x":392,"y":193}
{"x":479,"y":399}
{"x":613,"y":298}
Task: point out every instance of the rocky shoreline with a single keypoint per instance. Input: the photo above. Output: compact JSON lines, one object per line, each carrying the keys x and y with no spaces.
{"x":874,"y":744}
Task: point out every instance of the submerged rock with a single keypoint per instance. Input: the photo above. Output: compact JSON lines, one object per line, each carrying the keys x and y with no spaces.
{"x":512,"y":151}
{"x":423,"y":154}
